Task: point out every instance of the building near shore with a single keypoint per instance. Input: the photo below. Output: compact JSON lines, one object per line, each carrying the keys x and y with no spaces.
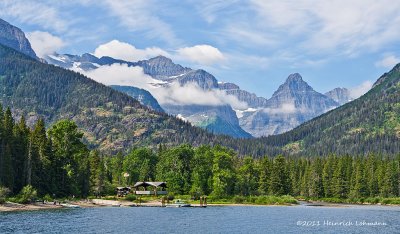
{"x":150,"y":188}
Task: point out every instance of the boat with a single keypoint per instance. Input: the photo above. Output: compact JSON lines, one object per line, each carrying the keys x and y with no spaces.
{"x":178,"y":203}
{"x":69,"y":205}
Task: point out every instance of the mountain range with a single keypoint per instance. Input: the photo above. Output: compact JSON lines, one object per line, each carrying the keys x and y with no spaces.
{"x":14,"y":37}
{"x":112,"y":120}
{"x":292,"y":104}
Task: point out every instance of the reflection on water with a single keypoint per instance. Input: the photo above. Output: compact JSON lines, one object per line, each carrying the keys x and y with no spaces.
{"x":225,"y":219}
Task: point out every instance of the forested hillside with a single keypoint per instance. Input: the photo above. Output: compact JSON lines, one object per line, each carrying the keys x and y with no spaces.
{"x":368,"y":124}
{"x":111,"y":121}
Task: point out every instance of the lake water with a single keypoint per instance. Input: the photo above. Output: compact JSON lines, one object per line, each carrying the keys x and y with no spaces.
{"x":223,"y":219}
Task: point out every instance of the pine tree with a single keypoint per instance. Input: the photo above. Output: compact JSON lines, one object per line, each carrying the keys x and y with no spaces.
{"x":280,"y":181}
{"x":8,"y":143}
{"x":20,"y":152}
{"x":265,"y":174}
{"x":327,"y":176}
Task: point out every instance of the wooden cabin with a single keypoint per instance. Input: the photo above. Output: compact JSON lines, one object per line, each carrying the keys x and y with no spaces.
{"x":150,"y":188}
{"x":123,"y":191}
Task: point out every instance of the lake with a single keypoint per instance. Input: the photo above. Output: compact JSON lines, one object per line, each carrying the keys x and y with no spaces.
{"x":216,"y":219}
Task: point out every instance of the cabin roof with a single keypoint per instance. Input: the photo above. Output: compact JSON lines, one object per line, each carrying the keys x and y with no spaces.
{"x":150,"y":183}
{"x":120,"y":188}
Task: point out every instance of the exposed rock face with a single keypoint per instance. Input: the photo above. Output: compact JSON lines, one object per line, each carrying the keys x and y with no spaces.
{"x":220,"y":119}
{"x":13,"y":37}
{"x":162,"y":68}
{"x":202,"y":78}
{"x":143,"y":96}
{"x":292,"y":104}
{"x":340,"y":95}
{"x":227,"y":86}
{"x":244,"y":96}
{"x":216,"y":119}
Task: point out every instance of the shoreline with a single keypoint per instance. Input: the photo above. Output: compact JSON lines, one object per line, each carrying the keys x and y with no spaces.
{"x":10,"y":207}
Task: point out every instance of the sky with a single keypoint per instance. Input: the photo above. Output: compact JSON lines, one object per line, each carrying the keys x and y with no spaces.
{"x":255,"y":43}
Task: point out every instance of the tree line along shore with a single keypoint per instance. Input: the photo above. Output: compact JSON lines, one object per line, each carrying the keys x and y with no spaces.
{"x":55,"y":163}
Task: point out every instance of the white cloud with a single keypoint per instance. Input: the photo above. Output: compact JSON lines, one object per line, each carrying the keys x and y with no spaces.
{"x":141,"y":15}
{"x":120,"y":74}
{"x":361,"y":89}
{"x":201,"y":54}
{"x":190,"y":94}
{"x":44,"y":43}
{"x":126,"y":51}
{"x":35,"y":12}
{"x":388,"y":61}
{"x":210,"y":9}
{"x":344,"y":27}
{"x":285,"y":108}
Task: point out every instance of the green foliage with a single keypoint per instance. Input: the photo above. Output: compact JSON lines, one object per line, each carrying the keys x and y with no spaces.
{"x":130,"y":197}
{"x":370,"y":124}
{"x":223,"y":173}
{"x":140,"y":165}
{"x":27,"y":194}
{"x":72,"y":158}
{"x":113,"y":121}
{"x":174,"y":167}
{"x":201,"y":171}
{"x":48,"y":198}
{"x":280,"y":180}
{"x":3,"y":194}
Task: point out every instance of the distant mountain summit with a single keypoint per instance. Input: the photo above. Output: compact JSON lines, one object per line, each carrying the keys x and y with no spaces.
{"x":293,"y":103}
{"x":143,"y":96}
{"x":13,"y":37}
{"x":340,"y":95}
{"x":369,"y":124}
{"x":252,"y":100}
{"x":297,"y":92}
{"x":162,"y":68}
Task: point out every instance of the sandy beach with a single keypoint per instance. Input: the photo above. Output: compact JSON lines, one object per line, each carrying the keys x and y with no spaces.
{"x":9,"y":206}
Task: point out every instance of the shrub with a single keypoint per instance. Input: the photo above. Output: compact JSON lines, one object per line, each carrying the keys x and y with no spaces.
{"x":238,"y":199}
{"x":48,"y":198}
{"x":3,"y":194}
{"x":130,"y":197}
{"x":27,"y":194}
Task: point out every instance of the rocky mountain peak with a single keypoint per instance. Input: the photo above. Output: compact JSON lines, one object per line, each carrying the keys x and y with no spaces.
{"x":162,"y":68}
{"x":293,"y":84}
{"x":160,"y":60}
{"x":340,"y":95}
{"x":228,"y":86}
{"x":86,"y":57}
{"x":13,"y":37}
{"x":295,"y":77}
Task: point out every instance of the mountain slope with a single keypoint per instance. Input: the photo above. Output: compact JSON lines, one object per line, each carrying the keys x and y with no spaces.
{"x":13,"y":37}
{"x":340,"y":95}
{"x":292,"y":104}
{"x":370,"y":123}
{"x":143,"y":96}
{"x":111,"y":120}
{"x":216,"y":119}
{"x":244,"y":96}
{"x":162,"y":68}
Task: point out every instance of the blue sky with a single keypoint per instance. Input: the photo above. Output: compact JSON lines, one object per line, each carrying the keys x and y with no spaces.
{"x":255,"y":44}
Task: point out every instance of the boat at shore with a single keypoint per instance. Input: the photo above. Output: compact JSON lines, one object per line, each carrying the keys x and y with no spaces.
{"x":178,"y":203}
{"x":69,"y":205}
